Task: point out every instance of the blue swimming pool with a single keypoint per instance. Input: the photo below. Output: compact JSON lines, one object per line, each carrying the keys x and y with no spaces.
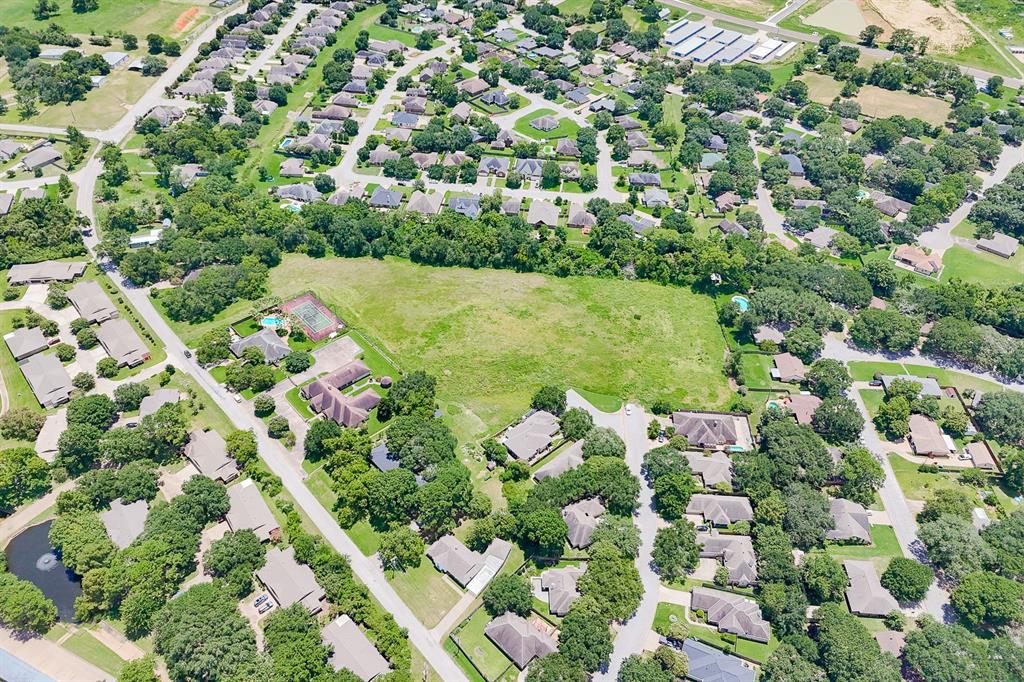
{"x":271,"y":321}
{"x":742,"y":302}
{"x":286,"y":142}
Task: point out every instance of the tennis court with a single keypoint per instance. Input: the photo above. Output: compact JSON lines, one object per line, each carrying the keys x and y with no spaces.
{"x":318,"y":320}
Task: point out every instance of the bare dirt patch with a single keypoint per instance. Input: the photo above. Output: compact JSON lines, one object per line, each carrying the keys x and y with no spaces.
{"x":943,"y":26}
{"x":842,"y":16}
{"x":185,"y":19}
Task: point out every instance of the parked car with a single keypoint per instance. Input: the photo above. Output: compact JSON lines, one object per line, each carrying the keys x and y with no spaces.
{"x":875,"y":382}
{"x":266,"y":607}
{"x":188,"y":353}
{"x":260,"y":599}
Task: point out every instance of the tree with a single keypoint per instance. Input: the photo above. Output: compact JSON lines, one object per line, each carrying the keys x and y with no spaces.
{"x":95,"y":410}
{"x":21,"y":423}
{"x":400,"y":549}
{"x":954,"y":546}
{"x":1006,"y":538}
{"x":153,"y":65}
{"x":787,"y":665}
{"x":83,"y":381}
{"x":414,"y":394}
{"x":828,"y":378}
{"x":139,"y":670}
{"x":585,"y":639}
{"x":988,"y":600}
{"x":107,"y":368}
{"x":509,"y":592}
{"x":675,"y":551}
{"x":947,"y":653}
{"x":419,"y":443}
{"x":320,"y":432}
{"x":808,"y":517}
{"x":784,"y":606}
{"x":78,"y":447}
{"x":65,"y":352}
{"x":888,"y":329}
{"x":870,"y":34}
{"x":848,"y":651}
{"x":549,"y":398}
{"x":204,"y":613}
{"x":391,"y":497}
{"x":795,"y":452}
{"x":638,"y":669}
{"x":82,"y":541}
{"x":862,"y":475}
{"x":907,"y":580}
{"x":235,"y":557}
{"x":602,"y":441}
{"x":893,"y":418}
{"x":1000,"y":416}
{"x":80,"y":6}
{"x":128,"y":396}
{"x":804,"y":342}
{"x":545,"y":528}
{"x":613,"y":581}
{"x":672,"y":494}
{"x":263,"y":405}
{"x":555,"y":668}
{"x":297,"y":361}
{"x":24,"y":607}
{"x":838,"y":420}
{"x":823,"y":577}
{"x":86,"y":338}
{"x":278,"y":427}
{"x":619,"y":531}
{"x":952,"y":501}
{"x":44,"y":9}
{"x":576,"y":423}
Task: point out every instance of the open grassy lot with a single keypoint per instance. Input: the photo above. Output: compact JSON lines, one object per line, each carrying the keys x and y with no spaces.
{"x":873,"y":399}
{"x":745,"y":9}
{"x":985,"y":269}
{"x":426,"y":591}
{"x":566,"y":128}
{"x":86,"y":646}
{"x":865,"y":371}
{"x":919,"y":485}
{"x":173,"y":18}
{"x":101,"y":108}
{"x":821,"y":88}
{"x":878,"y":102}
{"x":492,"y":337}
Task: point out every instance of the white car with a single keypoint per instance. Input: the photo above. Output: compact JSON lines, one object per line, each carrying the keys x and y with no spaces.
{"x":629,"y":410}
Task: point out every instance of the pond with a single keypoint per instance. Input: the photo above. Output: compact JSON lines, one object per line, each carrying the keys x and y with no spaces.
{"x":30,"y":556}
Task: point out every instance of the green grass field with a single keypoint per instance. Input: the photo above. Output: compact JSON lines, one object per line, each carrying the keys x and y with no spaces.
{"x":488,"y":658}
{"x":499,"y":335}
{"x":426,"y":591}
{"x":985,"y":269}
{"x":140,"y":17}
{"x":86,"y":646}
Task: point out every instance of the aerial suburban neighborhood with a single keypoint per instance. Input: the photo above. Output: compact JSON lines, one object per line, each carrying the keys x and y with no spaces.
{"x":493,"y":341}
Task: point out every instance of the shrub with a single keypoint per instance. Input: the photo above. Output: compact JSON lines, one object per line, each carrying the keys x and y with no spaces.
{"x":263,"y":404}
{"x":107,"y":368}
{"x":84,"y":381}
{"x":277,"y":427}
{"x":65,"y":352}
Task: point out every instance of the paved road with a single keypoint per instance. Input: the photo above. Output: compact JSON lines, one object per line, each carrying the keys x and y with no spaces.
{"x":936,"y":601}
{"x":282,"y":35}
{"x":633,"y":430}
{"x":276,"y":457}
{"x":790,"y":7}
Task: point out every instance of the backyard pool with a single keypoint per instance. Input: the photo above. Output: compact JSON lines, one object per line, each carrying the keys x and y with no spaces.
{"x":271,"y":322}
{"x":286,"y":142}
{"x":742,"y":302}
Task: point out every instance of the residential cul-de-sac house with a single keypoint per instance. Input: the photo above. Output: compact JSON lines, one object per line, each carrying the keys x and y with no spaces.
{"x":47,"y":378}
{"x":290,"y":582}
{"x":655,"y":197}
{"x":273,"y":346}
{"x":209,"y":454}
{"x":713,"y":430}
{"x":496,"y":97}
{"x":493,"y":165}
{"x":92,"y":304}
{"x":532,"y":436}
{"x":802,"y":406}
{"x":569,"y":458}
{"x":735,"y":552}
{"x":720,"y":510}
{"x":580,"y":217}
{"x":708,"y":664}
{"x":121,"y":342}
{"x":644,"y":179}
{"x":582,"y":518}
{"x":544,"y":123}
{"x":566,"y":146}
{"x":731,"y":613}
{"x":25,"y":341}
{"x":249,"y":511}
{"x":542,"y":213}
{"x":529,"y":168}
{"x":291,"y":168}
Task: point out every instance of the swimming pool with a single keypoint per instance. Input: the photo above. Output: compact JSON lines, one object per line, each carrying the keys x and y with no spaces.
{"x":286,"y":142}
{"x":742,"y":302}
{"x":271,"y":322}
{"x":294,"y":208}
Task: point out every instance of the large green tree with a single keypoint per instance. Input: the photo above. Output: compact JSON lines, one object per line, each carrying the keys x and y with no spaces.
{"x":986,"y":599}
{"x":907,"y":580}
{"x":675,"y":551}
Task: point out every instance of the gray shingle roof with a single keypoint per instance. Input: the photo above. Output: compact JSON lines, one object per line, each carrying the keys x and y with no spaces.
{"x":273,"y":346}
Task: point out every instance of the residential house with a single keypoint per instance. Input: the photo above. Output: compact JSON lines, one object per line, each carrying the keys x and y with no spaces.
{"x":511,"y":206}
{"x":352,"y":650}
{"x":520,"y":639}
{"x":766,"y":333}
{"x":917,"y":260}
{"x":290,"y":582}
{"x":532,"y":436}
{"x":332,"y":112}
{"x":460,"y":112}
{"x":264,"y":107}
{"x":303,"y":192}
{"x":125,"y":522}
{"x":655,"y":197}
{"x":1002,"y":245}
{"x":731,"y":613}
{"x":544,"y":123}
{"x":735,"y":552}
{"x":47,"y":378}
{"x":560,"y":585}
{"x":788,"y":368}
{"x":639,"y":158}
{"x":496,"y":97}
{"x":91,"y":302}
{"x":473,"y":86}
{"x":425,"y":204}
{"x":25,"y":341}
{"x":44,"y":272}
{"x":580,"y":217}
{"x":529,"y":168}
{"x":152,"y":403}
{"x":568,"y":459}
{"x":10,"y":148}
{"x":209,"y":454}
{"x":6,"y":201}
{"x":121,"y":342}
{"x":644,"y":180}
{"x":469,"y":569}
{"x":802,"y":405}
{"x":866,"y":596}
{"x":493,"y":165}
{"x":727,"y":201}
{"x":403,"y":119}
{"x":852,"y":522}
{"x":382,"y":154}
{"x":325,"y":395}
{"x":727,"y":227}
{"x":720,"y":510}
{"x":582,"y":519}
{"x":40,"y":158}
{"x":292,"y":168}
{"x":166,"y":115}
{"x":929,"y":386}
{"x":467,"y":206}
{"x":249,"y":511}
{"x":713,"y":430}
{"x":566,"y":146}
{"x":714,"y":468}
{"x":273,"y":346}
{"x":383,"y":197}
{"x":542,"y":213}
{"x":927,"y":438}
{"x":796,"y":166}
{"x":708,"y":664}
{"x":981,"y":455}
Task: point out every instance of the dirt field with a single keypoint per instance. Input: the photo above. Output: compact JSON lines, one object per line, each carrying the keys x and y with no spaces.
{"x":881,"y":103}
{"x":841,"y":16}
{"x":945,"y":30}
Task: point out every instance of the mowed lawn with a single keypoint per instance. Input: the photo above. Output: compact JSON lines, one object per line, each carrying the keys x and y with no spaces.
{"x":981,"y":268}
{"x":879,"y":103}
{"x":171,"y":18}
{"x":492,"y":337}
